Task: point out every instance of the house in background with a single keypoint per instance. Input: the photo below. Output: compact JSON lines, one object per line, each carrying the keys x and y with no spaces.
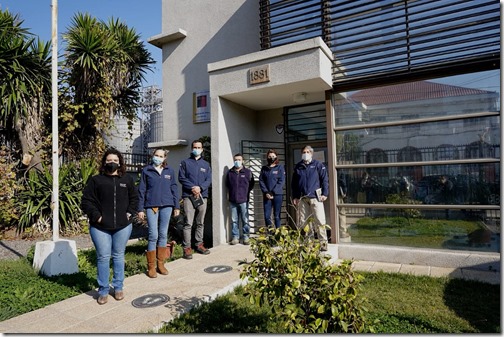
{"x":386,"y":87}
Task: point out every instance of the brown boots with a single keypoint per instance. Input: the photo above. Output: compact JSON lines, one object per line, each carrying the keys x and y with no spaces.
{"x":156,"y":259}
{"x":151,"y":263}
{"x":162,"y":254}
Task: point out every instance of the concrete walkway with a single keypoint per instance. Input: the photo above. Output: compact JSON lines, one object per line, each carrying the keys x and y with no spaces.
{"x":187,"y":285}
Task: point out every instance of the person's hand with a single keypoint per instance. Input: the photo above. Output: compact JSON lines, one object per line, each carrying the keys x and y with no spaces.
{"x":323,"y":198}
{"x":196,"y":190}
{"x":176,"y":212}
{"x":269,"y":196}
{"x":295,"y":202}
{"x":141,"y":215}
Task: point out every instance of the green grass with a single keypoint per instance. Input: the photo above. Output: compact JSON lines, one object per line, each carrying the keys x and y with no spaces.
{"x":402,"y":304}
{"x":397,"y":231}
{"x":22,"y":290}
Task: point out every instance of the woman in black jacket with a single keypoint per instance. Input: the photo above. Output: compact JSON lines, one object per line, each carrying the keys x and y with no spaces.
{"x":109,"y":200}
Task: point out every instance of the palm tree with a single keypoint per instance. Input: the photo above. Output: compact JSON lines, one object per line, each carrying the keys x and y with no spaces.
{"x":103,"y":70}
{"x":25,"y":69}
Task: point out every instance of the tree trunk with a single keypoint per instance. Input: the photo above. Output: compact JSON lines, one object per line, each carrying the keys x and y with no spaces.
{"x":29,"y":131}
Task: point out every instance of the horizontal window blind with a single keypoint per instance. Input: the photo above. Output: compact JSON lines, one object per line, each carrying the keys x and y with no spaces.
{"x":390,"y":38}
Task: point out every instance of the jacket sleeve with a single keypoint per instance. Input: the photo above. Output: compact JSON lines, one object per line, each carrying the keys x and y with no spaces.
{"x":133,"y":197}
{"x":174,"y":191}
{"x":90,"y":201}
{"x":205,"y":185}
{"x":278,"y":188}
{"x":142,"y":189}
{"x":251,"y":182}
{"x":262,"y":183}
{"x":182,"y":177}
{"x":324,"y":179}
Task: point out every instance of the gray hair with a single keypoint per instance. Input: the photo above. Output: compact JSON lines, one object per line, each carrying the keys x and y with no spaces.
{"x":307,"y":147}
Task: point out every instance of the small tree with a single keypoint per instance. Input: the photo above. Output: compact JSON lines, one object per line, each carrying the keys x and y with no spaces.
{"x":305,"y":291}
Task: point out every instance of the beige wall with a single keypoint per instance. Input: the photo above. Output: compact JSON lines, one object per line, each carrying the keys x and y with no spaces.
{"x":215,"y":30}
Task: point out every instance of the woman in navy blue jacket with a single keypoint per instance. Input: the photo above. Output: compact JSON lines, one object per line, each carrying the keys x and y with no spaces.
{"x":158,"y":194}
{"x":271,"y":181}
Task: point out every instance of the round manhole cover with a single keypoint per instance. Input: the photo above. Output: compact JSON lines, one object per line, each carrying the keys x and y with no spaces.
{"x":149,"y":301}
{"x":217,"y":269}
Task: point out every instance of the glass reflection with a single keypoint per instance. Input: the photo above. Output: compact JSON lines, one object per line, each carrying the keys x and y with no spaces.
{"x":464,"y":184}
{"x":433,"y":141}
{"x":464,"y":230}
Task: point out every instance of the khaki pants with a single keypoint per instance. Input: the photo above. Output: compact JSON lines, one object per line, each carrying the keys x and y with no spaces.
{"x":190,"y":213}
{"x":311,"y":207}
{"x":342,"y":216}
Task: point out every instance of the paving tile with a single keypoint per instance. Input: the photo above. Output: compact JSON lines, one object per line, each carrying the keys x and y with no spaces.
{"x":414,"y":269}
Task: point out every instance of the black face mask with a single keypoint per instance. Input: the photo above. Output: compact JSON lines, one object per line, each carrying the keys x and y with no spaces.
{"x":271,"y":160}
{"x":111,"y":167}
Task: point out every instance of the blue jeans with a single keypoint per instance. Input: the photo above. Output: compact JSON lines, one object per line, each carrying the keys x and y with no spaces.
{"x":110,"y":243}
{"x":158,"y":227}
{"x":276,"y":204}
{"x":242,"y":210}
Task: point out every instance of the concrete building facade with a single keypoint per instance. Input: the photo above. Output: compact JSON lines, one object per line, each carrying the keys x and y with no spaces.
{"x":226,"y":78}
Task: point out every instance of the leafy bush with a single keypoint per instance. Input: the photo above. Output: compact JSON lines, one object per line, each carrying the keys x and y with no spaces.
{"x":8,"y":186}
{"x":34,"y":200}
{"x":304,"y":290}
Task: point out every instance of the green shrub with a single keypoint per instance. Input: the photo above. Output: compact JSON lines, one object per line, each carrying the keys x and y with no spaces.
{"x":34,"y":199}
{"x":305,"y":291}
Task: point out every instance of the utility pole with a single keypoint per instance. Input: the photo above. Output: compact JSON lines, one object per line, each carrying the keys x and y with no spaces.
{"x":57,"y":256}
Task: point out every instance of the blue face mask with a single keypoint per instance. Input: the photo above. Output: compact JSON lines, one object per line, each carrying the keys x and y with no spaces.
{"x":196,"y":152}
{"x":157,"y":161}
{"x":237,"y":164}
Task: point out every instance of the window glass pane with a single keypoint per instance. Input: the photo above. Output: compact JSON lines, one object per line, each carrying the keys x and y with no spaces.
{"x":462,"y":230}
{"x":433,"y":141}
{"x":464,"y":184}
{"x":456,"y":95}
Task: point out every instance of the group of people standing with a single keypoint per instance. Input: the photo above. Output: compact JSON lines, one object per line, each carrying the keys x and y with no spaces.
{"x":110,"y":200}
{"x":310,"y":188}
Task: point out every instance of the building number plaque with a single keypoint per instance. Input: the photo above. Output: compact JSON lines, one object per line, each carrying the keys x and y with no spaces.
{"x":259,"y":74}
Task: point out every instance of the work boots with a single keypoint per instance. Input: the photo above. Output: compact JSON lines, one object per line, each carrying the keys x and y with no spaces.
{"x":162,"y":253}
{"x":187,"y":253}
{"x":151,"y":263}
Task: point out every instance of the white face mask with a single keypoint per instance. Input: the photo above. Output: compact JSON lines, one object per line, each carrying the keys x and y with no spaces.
{"x":306,"y":156}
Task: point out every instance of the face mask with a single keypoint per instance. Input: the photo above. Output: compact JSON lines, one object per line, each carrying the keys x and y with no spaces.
{"x":237,"y":164}
{"x":306,"y":156}
{"x":196,"y":152}
{"x":157,"y":161}
{"x":271,"y":160}
{"x":111,"y":167}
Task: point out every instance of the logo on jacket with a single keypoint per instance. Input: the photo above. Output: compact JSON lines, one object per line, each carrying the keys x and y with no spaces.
{"x":203,"y":170}
{"x":122,"y":185}
{"x":167,"y":176}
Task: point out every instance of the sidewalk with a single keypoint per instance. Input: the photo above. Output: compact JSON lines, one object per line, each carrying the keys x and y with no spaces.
{"x":187,"y":285}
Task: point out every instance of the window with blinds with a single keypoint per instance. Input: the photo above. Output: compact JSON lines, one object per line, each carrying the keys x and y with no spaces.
{"x":389,"y":39}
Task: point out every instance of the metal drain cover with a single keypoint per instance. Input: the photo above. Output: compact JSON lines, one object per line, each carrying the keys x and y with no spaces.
{"x":217,"y":269}
{"x":149,"y":301}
